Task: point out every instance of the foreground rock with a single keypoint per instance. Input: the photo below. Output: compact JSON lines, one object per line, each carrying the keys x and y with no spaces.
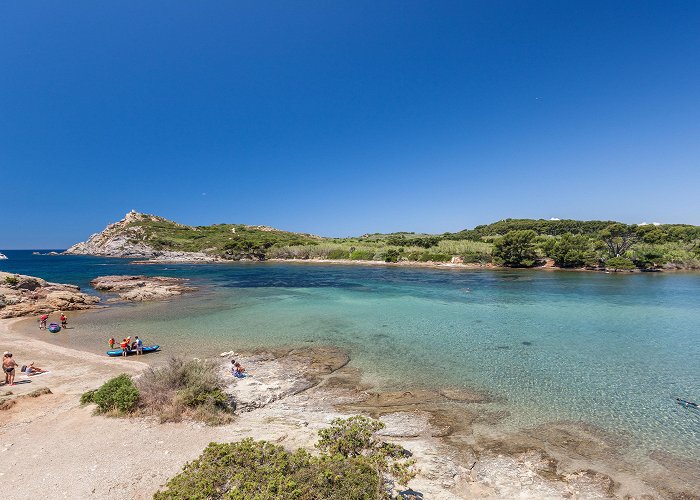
{"x":449,"y":432}
{"x":22,"y":295}
{"x":142,"y":288}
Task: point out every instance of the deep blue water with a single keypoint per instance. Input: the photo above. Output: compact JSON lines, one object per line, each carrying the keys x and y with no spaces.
{"x":607,"y":349}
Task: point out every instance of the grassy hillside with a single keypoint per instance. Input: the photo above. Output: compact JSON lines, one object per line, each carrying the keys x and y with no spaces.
{"x":233,"y":241}
{"x":510,"y":242}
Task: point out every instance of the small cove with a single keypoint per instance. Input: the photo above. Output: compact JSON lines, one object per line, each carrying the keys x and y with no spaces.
{"x":606,"y":350}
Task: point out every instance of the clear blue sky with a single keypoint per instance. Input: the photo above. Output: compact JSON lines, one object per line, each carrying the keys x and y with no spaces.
{"x":342,"y":118}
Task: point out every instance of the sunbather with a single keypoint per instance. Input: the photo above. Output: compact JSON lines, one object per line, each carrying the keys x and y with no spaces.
{"x":30,"y":369}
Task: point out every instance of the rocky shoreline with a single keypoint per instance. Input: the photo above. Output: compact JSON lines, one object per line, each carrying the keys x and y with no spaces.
{"x":22,"y":295}
{"x":141,"y":288}
{"x":454,"y":434}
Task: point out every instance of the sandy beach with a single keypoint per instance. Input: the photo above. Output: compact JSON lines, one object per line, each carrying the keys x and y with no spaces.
{"x":54,"y":447}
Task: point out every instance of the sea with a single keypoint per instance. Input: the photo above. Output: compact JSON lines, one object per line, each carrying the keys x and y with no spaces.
{"x":609,"y":350}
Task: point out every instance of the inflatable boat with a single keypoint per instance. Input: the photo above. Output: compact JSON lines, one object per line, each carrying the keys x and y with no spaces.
{"x":146,"y":349}
{"x":54,"y":328}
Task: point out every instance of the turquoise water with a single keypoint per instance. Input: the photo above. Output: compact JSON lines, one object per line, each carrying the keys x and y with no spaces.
{"x":606,"y":349}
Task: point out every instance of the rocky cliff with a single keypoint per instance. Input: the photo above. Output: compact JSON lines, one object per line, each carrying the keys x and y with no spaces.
{"x":144,"y":236}
{"x":125,"y":238}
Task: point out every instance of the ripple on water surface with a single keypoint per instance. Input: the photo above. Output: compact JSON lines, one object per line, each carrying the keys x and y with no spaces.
{"x":610,"y":350}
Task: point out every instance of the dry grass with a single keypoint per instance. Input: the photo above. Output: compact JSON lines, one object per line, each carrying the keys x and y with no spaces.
{"x":181,"y":389}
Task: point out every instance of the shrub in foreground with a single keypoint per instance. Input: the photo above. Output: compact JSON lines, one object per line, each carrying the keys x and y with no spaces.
{"x":258,"y":469}
{"x":353,"y":464}
{"x":190,"y":389}
{"x":117,"y":396}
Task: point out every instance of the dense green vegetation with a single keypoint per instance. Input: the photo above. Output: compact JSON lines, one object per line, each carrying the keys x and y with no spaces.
{"x":352,"y":464}
{"x":233,"y":241}
{"x":510,"y":242}
{"x":180,"y":389}
{"x":117,"y":396}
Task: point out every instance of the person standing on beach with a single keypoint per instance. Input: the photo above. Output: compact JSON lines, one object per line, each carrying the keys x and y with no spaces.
{"x":111,"y":343}
{"x":42,"y":322}
{"x":64,"y":321}
{"x":8,"y":366}
{"x":125,"y":347}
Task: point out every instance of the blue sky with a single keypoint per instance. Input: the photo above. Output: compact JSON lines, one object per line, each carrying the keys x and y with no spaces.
{"x":343,"y":118}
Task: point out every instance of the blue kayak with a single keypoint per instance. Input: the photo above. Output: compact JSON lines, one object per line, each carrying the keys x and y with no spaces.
{"x":146,"y":348}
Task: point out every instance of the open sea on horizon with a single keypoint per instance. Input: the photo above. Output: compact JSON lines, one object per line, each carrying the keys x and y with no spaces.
{"x":612,"y":350}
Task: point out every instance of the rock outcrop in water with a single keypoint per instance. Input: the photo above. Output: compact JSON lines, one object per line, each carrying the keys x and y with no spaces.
{"x":142,"y":288}
{"x":22,"y":295}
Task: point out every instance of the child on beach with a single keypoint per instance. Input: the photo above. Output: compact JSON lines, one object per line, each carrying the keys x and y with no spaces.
{"x":111,"y":343}
{"x":64,"y":321}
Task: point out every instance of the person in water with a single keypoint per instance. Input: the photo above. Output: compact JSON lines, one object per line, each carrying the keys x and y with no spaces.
{"x":8,"y":366}
{"x":64,"y":321}
{"x":139,"y":345}
{"x":125,"y":347}
{"x":111,"y":343}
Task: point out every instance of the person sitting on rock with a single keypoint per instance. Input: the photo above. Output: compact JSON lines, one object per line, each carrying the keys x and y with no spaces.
{"x":236,"y":369}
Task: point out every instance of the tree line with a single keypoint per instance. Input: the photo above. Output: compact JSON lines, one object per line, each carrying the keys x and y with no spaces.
{"x":616,"y":246}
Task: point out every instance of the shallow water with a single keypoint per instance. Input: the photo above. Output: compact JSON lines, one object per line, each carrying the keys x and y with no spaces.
{"x":607,"y":349}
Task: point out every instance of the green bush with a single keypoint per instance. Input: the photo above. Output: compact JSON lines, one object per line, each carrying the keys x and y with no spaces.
{"x":619,"y":264}
{"x":88,"y":397}
{"x":434,"y":257}
{"x":11,"y":280}
{"x":392,"y":255}
{"x":117,"y":396}
{"x":354,"y":465}
{"x":476,"y":257}
{"x":362,"y":255}
{"x":338,"y":253}
{"x":570,"y":250}
{"x":200,"y":396}
{"x":258,"y":469}
{"x":516,"y":249}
